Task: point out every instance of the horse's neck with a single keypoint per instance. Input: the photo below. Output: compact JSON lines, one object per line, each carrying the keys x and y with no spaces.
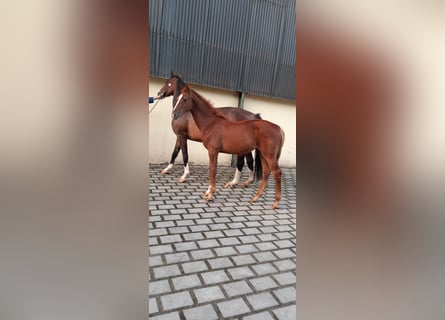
{"x":202,"y":113}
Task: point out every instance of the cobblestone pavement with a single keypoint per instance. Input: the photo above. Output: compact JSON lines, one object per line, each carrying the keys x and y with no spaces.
{"x":226,"y":259}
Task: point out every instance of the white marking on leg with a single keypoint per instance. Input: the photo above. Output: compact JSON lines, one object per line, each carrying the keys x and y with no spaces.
{"x":235,"y":179}
{"x":167,"y":168}
{"x":208,"y":191}
{"x":186,"y":173}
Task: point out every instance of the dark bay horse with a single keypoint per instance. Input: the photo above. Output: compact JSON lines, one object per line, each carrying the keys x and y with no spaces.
{"x":185,"y":128}
{"x":235,"y":137}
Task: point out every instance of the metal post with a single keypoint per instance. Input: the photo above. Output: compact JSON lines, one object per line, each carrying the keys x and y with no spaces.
{"x":240,"y":106}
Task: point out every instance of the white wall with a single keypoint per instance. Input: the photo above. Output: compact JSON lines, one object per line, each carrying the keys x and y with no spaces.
{"x":162,"y":139}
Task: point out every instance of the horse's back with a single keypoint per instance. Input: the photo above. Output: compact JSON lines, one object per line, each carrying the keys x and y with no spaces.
{"x":237,"y":114}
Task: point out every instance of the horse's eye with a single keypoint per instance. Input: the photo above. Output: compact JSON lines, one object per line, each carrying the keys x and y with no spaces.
{"x":169,"y":84}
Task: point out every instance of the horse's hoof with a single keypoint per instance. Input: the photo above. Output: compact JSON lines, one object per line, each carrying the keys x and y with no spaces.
{"x":164,"y":171}
{"x":229,"y":185}
{"x":275,"y":205}
{"x":254,"y":199}
{"x":244,"y":185}
{"x":181,"y":180}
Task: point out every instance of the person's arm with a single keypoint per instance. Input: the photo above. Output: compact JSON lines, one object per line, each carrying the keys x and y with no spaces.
{"x":151,"y":99}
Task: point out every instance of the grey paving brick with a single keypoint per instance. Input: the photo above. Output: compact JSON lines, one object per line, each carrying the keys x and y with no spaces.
{"x":158,"y":287}
{"x":164,"y":248}
{"x":205,"y":312}
{"x":262,"y":301}
{"x":284,"y":244}
{"x":185,"y":223}
{"x":152,"y":241}
{"x":202,"y":254}
{"x":264,"y":256}
{"x":285,"y":235}
{"x":283,"y":227}
{"x":185,"y":282}
{"x":263,"y":283}
{"x":268,"y":223}
{"x":177,"y":257}
{"x":240,"y":273}
{"x":221,"y":220}
{"x":170,"y":239}
{"x":285,"y":278}
{"x":264,"y":246}
{"x":176,"y":300}
{"x":249,"y":239}
{"x":185,"y":246}
{"x":229,"y":241}
{"x":246,"y":248}
{"x":243,"y":259}
{"x":213,"y":234}
{"x":212,"y":277}
{"x":238,"y":219}
{"x":190,"y":216}
{"x":265,"y":315}
{"x":252,"y":224}
{"x":249,"y":231}
{"x":154,"y":261}
{"x":196,"y":210}
{"x":193,"y":236}
{"x":175,"y":230}
{"x":233,"y":307}
{"x":208,"y":294}
{"x":285,"y":295}
{"x":267,"y":237}
{"x":286,"y":313}
{"x":285,"y":265}
{"x":236,"y":225}
{"x":284,"y":253}
{"x":201,"y":227}
{"x":219,"y":263}
{"x":233,"y":232}
{"x":195,"y":266}
{"x":166,"y":271}
{"x":164,"y":224}
{"x":225,"y":251}
{"x":264,"y":268}
{"x":152,"y":305}
{"x":237,"y":288}
{"x":218,"y":226}
{"x":167,"y":316}
{"x":157,"y":232}
{"x":208,"y":243}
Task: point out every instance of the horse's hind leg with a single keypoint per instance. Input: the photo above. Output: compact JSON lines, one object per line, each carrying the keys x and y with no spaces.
{"x":276,"y":171}
{"x":249,"y":159}
{"x":239,"y":167}
{"x":174,"y":155}
{"x":266,"y":173}
{"x":185,"y":157}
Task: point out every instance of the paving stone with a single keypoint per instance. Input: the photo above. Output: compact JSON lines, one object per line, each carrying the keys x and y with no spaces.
{"x":264,"y":256}
{"x":154,"y":261}
{"x":218,"y":226}
{"x":264,"y":268}
{"x":214,"y":277}
{"x":166,"y":271}
{"x":198,"y":228}
{"x":202,"y":254}
{"x":285,"y":265}
{"x":260,"y":316}
{"x":240,"y":273}
{"x":152,"y":305}
{"x":225,"y":251}
{"x":285,"y":278}
{"x":208,"y":243}
{"x":284,"y":253}
{"x":233,"y":307}
{"x":185,"y":282}
{"x":193,"y":236}
{"x":152,"y":241}
{"x":164,"y":224}
{"x":205,"y":312}
{"x":233,"y":232}
{"x":219,"y":263}
{"x":286,"y":313}
{"x":286,"y":295}
{"x":265,"y":246}
{"x":157,"y":232}
{"x":236,"y":225}
{"x":263,"y":283}
{"x":229,"y":241}
{"x":175,"y":230}
{"x":185,"y":246}
{"x":158,"y":287}
{"x":267,"y":237}
{"x":170,"y":239}
{"x":196,"y":266}
{"x":285,"y":235}
{"x":246,"y":248}
{"x":249,"y":239}
{"x":243,"y":259}
{"x":284,"y":244}
{"x":167,"y":316}
{"x":213,"y":234}
{"x":208,"y":294}
{"x":262,"y":301}
{"x":237,"y":288}
{"x":185,"y":223}
{"x":176,"y":300}
{"x":164,"y":248}
{"x":177,"y":257}
{"x":249,"y":231}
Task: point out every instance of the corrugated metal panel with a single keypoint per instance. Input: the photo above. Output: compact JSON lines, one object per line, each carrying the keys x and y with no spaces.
{"x":240,"y":45}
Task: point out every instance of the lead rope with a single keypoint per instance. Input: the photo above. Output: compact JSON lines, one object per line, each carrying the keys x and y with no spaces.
{"x":154,"y":106}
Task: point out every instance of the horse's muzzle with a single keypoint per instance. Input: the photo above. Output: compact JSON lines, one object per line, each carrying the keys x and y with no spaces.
{"x":176,"y":114}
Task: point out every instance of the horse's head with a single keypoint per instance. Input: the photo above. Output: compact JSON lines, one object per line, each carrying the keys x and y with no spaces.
{"x":172,"y":84}
{"x":183,"y":104}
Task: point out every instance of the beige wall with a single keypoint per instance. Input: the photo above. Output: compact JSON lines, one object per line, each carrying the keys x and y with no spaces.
{"x":162,"y":138}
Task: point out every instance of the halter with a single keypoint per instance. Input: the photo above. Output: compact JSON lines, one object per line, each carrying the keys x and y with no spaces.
{"x":156,"y":103}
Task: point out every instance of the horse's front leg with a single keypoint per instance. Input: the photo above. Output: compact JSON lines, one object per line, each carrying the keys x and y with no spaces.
{"x":185,"y":157}
{"x":239,"y":167}
{"x":213,"y":160}
{"x":174,"y":155}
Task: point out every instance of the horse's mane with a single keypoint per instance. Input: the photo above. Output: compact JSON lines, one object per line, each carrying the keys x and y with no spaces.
{"x":179,"y":83}
{"x":207,"y":103}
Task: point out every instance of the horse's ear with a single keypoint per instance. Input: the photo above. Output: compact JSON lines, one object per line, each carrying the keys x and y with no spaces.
{"x":171,"y":73}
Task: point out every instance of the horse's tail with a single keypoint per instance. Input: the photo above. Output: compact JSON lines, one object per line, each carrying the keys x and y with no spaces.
{"x":258,"y":116}
{"x":258,"y":165}
{"x":281,"y":145}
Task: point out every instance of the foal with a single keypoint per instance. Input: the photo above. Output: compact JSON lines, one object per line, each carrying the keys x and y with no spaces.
{"x":236,"y":137}
{"x":185,"y":128}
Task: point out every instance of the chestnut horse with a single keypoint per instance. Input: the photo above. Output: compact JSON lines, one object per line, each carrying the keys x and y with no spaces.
{"x":235,"y":137}
{"x":185,"y":128}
